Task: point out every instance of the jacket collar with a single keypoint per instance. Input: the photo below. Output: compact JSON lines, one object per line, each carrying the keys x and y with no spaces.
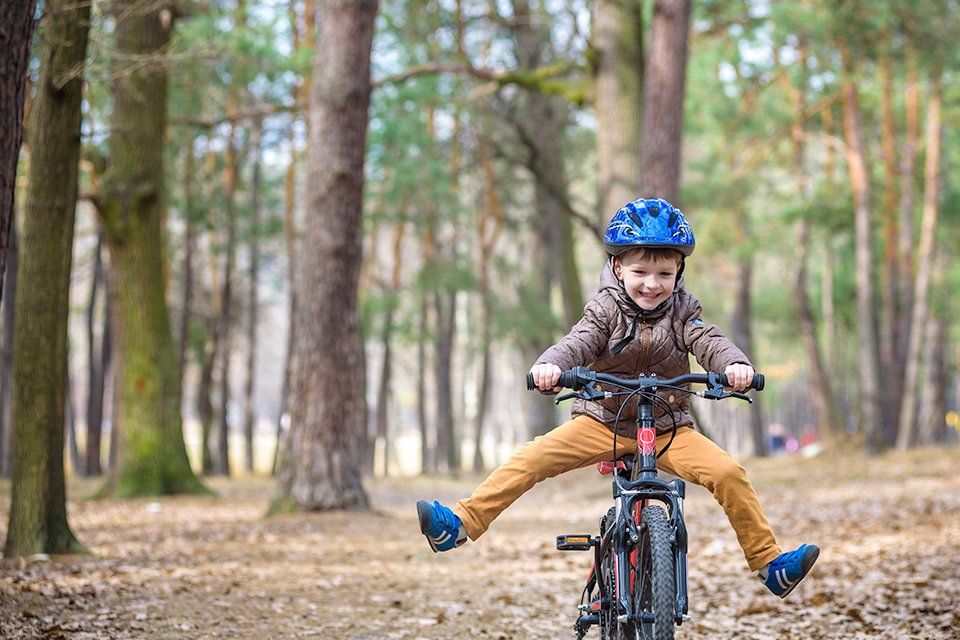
{"x":610,"y":283}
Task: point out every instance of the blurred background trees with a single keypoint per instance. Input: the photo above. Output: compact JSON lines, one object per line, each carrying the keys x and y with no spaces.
{"x":808,"y":142}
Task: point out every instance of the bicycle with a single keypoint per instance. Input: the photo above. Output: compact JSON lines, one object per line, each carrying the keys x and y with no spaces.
{"x":637,"y":586}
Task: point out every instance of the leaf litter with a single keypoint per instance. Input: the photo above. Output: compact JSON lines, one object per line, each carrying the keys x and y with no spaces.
{"x":199,"y":568}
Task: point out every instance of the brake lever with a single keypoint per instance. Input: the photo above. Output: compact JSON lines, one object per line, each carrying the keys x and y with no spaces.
{"x":718,"y":393}
{"x":587,"y":393}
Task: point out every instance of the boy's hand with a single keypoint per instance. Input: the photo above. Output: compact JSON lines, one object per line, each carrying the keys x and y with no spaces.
{"x":739,"y":376}
{"x":545,"y":376}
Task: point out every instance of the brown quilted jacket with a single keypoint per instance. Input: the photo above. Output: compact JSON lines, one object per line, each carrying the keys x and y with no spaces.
{"x":661,"y":344}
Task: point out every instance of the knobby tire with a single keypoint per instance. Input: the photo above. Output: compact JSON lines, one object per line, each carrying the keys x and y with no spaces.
{"x":655,"y":583}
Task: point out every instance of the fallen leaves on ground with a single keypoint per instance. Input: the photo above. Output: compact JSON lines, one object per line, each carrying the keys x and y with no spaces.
{"x":198,"y":568}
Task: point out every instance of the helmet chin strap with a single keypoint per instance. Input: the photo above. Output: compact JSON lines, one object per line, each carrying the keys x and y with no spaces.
{"x":639,"y":312}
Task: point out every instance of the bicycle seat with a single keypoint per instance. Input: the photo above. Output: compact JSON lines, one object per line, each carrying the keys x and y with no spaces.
{"x":623,"y":462}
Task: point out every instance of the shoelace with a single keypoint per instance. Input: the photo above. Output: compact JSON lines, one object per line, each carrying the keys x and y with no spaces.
{"x":444,"y":517}
{"x":788,"y":561}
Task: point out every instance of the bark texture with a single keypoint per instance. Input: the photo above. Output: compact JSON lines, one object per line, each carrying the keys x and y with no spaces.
{"x":907,"y":429}
{"x":867,"y":337}
{"x":323,"y":460}
{"x":253,"y":307}
{"x":541,"y":131}
{"x":618,"y":39}
{"x":15,"y":35}
{"x":6,"y":354}
{"x":664,"y":86}
{"x":98,"y":362}
{"x":152,"y":458}
{"x":38,"y":512}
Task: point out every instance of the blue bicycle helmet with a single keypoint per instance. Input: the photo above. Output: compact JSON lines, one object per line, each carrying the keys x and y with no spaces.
{"x":649,"y":223}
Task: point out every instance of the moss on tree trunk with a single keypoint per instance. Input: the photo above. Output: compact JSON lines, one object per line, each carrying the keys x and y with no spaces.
{"x":38,"y":513}
{"x":152,"y":457}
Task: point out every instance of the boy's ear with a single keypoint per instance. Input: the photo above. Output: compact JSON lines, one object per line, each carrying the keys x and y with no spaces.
{"x":617,"y":268}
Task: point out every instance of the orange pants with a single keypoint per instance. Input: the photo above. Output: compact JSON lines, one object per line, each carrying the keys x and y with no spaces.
{"x":583,"y":441}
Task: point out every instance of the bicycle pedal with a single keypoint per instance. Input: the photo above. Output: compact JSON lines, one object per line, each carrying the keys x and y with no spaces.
{"x":578,"y":542}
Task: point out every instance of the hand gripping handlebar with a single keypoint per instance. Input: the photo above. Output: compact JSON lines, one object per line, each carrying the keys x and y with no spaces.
{"x":578,"y":377}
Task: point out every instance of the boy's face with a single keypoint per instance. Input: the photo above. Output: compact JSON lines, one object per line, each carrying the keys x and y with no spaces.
{"x":648,"y":281}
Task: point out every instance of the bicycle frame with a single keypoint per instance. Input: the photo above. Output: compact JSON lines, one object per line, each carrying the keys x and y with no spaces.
{"x":621,"y":539}
{"x":630,"y":497}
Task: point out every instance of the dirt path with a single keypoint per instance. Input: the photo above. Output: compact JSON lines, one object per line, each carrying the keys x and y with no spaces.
{"x":215,"y":568}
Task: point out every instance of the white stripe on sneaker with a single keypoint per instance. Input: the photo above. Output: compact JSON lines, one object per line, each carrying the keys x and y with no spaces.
{"x":785,"y":583}
{"x":442,"y":537}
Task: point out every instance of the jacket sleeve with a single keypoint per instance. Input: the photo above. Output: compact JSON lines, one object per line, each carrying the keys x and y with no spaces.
{"x":713,"y":350}
{"x":585,"y":342}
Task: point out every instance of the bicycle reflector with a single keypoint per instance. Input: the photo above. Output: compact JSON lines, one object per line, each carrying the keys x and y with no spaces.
{"x":579,"y":542}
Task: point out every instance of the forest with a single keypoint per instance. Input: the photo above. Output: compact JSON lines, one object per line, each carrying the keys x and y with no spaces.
{"x":272,"y":270}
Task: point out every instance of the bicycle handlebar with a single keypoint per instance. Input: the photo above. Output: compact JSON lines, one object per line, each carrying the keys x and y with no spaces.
{"x":579,"y":377}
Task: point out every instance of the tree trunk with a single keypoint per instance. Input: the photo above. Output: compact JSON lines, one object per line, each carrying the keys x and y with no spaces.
{"x":547,"y":255}
{"x":907,"y":428}
{"x":205,"y":405}
{"x":322,"y":466}
{"x":542,"y":134}
{"x":824,"y":402}
{"x":290,"y":238}
{"x":15,"y":38}
{"x":71,"y":426}
{"x":908,"y":161}
{"x":490,"y":227}
{"x":890,"y":359}
{"x":383,"y":392}
{"x":618,"y":40}
{"x":428,"y":457}
{"x":152,"y":456}
{"x":448,"y":440}
{"x":98,"y":360}
{"x":664,"y":85}
{"x":221,"y":461}
{"x":249,"y":409}
{"x":860,"y":186}
{"x":189,"y":246}
{"x":38,"y":510}
{"x":741,"y":332}
{"x":386,"y":370}
{"x":6,"y":356}
{"x":935,"y":391}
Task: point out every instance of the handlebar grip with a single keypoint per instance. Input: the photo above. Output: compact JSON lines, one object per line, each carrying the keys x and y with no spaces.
{"x":757,"y":382}
{"x":569,"y":379}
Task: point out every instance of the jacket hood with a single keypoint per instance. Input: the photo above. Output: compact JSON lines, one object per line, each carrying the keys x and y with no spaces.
{"x":613,"y":286}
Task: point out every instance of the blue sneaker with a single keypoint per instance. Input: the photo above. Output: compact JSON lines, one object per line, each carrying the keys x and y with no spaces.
{"x":788,"y":569}
{"x":442,"y":527}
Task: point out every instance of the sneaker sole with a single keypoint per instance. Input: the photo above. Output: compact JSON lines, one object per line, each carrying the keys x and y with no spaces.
{"x":809,"y":558}
{"x":423,"y":514}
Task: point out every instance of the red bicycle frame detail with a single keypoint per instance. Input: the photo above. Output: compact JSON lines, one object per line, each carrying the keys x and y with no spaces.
{"x":647,"y":441}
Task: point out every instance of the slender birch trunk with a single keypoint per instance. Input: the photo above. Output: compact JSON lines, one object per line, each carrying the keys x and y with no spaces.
{"x":907,"y":428}
{"x":867,"y":339}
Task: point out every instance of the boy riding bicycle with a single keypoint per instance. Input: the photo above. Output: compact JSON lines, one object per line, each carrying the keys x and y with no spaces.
{"x":641,"y":321}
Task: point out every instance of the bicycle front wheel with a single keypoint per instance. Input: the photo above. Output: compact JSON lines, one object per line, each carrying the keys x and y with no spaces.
{"x":654,"y":582}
